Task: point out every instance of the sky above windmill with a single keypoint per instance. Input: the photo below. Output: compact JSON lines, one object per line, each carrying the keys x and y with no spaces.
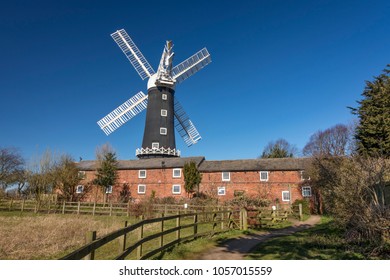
{"x":280,"y":69}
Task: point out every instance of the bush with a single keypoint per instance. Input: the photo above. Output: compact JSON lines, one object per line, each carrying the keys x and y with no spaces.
{"x":305,"y":205}
{"x":247,"y":201}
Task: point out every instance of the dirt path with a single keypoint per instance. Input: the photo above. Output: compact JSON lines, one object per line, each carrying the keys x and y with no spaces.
{"x":237,"y":248}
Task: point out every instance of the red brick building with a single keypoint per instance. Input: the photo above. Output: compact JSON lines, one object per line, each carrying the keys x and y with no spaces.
{"x":274,"y":179}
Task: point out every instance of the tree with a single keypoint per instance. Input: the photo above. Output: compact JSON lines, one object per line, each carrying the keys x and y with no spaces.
{"x":11,"y":166}
{"x":192,"y":177}
{"x":334,"y":141}
{"x":66,"y":177}
{"x":373,"y":130}
{"x":279,"y":149}
{"x":107,"y":173}
{"x":41,"y":177}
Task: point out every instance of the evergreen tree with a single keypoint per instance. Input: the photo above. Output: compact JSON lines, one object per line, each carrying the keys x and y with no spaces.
{"x":192,"y":177}
{"x":107,"y":173}
{"x":373,"y":130}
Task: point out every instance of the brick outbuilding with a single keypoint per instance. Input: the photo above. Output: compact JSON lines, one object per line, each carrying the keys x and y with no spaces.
{"x":280,"y":180}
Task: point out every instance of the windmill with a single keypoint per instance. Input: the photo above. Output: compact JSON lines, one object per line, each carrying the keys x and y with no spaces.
{"x":163,"y":111}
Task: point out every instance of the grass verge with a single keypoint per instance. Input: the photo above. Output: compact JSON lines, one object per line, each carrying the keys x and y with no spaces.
{"x":322,"y":242}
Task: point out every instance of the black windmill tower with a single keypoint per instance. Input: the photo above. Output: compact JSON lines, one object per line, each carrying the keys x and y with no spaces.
{"x":164,"y":112}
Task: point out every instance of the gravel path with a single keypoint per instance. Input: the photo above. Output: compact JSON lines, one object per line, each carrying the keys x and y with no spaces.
{"x":237,"y":248}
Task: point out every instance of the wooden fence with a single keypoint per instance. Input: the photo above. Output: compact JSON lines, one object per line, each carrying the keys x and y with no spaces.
{"x":93,"y":208}
{"x":164,"y":232}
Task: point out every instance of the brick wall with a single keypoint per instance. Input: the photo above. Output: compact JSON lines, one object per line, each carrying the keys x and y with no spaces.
{"x":161,"y":181}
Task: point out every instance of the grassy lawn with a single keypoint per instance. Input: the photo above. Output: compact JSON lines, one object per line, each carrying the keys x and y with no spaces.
{"x":321,"y":242}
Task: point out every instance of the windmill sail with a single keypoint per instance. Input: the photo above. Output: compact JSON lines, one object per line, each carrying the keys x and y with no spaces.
{"x":191,"y":65}
{"x":134,"y":55}
{"x":124,"y":113}
{"x":184,"y":126}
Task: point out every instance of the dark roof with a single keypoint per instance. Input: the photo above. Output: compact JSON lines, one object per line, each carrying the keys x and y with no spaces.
{"x":269,"y":164}
{"x":151,"y":163}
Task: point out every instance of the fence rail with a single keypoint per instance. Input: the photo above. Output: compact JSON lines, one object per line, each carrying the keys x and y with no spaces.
{"x":93,"y":208}
{"x":184,"y":226}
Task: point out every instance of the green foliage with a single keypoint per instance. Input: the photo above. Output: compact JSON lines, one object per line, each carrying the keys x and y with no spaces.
{"x":278,"y":149}
{"x":305,"y":205}
{"x":107,"y":173}
{"x":373,"y":130}
{"x":192,"y":177}
{"x":248,"y":201}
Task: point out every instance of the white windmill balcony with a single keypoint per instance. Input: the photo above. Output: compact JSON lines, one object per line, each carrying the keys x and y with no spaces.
{"x":158,"y":151}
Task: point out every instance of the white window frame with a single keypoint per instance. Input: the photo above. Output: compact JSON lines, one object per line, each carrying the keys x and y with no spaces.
{"x":264,"y":172}
{"x":173,"y":189}
{"x":139,"y":191}
{"x":173,"y":173}
{"x":305,"y":190}
{"x":155,"y":145}
{"x":164,"y":96}
{"x":223,"y":177}
{"x":303,"y":176}
{"x":164,"y":113}
{"x":289,"y":195}
{"x":163,"y":131}
{"x":141,"y":176}
{"x":79,"y":189}
{"x":109,"y":189}
{"x":221,"y":191}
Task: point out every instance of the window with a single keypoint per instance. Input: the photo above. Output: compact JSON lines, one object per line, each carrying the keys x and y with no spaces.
{"x":221,"y":190}
{"x":285,"y":196}
{"x":80,"y":189}
{"x":225,"y":176}
{"x":109,"y":189}
{"x":155,"y":145}
{"x":306,"y":191}
{"x":164,"y":96}
{"x":142,"y":174}
{"x":263,"y":176}
{"x":176,"y":189}
{"x":176,"y":173}
{"x":163,"y":131}
{"x":141,"y":189}
{"x":81,"y":175}
{"x":164,"y":113}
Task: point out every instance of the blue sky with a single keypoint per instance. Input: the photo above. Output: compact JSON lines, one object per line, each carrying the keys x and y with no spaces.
{"x":281,"y":69}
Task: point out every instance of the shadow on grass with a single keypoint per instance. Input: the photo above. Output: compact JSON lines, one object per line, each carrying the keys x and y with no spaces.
{"x":322,"y":242}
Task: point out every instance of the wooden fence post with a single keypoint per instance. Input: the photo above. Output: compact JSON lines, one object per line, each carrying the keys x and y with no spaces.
{"x":140,"y":236}
{"x":110,"y":209}
{"x":10,"y":204}
{"x":122,"y":241}
{"x":63,"y":207}
{"x":94,"y":208}
{"x":90,"y":236}
{"x":196,"y":223}
{"x":128,"y":209}
{"x":78,"y":208}
{"x":161,"y":230}
{"x":22,"y":208}
{"x":243,"y":219}
{"x":214,"y":221}
{"x":178,"y":225}
{"x":230,"y":223}
{"x":300,"y":212}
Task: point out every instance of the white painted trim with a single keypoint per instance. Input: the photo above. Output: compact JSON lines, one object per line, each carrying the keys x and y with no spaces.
{"x":164,"y":96}
{"x":306,"y":189}
{"x":164,"y":113}
{"x":173,"y":173}
{"x":138,"y":189}
{"x":173,"y":189}
{"x":109,"y":189}
{"x":163,"y":131}
{"x":221,"y":191}
{"x":289,"y":196}
{"x":155,"y":145}
{"x":78,"y":189}
{"x":139,"y":174}
{"x":225,"y":179}
{"x":264,"y":180}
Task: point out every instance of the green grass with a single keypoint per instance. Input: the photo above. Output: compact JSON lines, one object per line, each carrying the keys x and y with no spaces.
{"x":322,"y":242}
